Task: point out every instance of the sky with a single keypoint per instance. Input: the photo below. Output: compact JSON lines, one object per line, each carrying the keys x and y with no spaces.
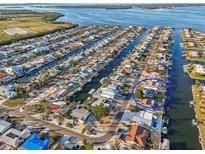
{"x":102,"y":1}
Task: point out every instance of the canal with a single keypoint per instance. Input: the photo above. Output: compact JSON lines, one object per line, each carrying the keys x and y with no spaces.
{"x":182,"y":134}
{"x":108,"y":69}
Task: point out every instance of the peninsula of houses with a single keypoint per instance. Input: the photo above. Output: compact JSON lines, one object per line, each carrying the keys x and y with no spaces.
{"x":194,"y":52}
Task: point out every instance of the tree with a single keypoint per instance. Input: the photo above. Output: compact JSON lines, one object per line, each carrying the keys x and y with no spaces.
{"x":138,"y":94}
{"x":134,"y":108}
{"x":134,"y":147}
{"x":84,"y":141}
{"x":60,"y":119}
{"x":72,"y":63}
{"x":100,"y":111}
{"x":65,"y":98}
{"x":46,"y":113}
{"x":119,"y":130}
{"x":200,"y":54}
{"x":87,"y":146}
{"x":21,"y":92}
{"x":69,"y":125}
{"x":87,"y":129}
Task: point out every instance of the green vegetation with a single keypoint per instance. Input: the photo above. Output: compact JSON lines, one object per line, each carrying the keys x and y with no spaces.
{"x":86,"y":145}
{"x":125,"y":87}
{"x":199,"y":110}
{"x":54,"y":137}
{"x":36,"y":24}
{"x":100,"y":111}
{"x":87,"y":105}
{"x":74,"y":71}
{"x":72,"y":63}
{"x":138,"y":94}
{"x":134,"y":108}
{"x":197,"y":46}
{"x":197,"y":76}
{"x":195,"y":59}
{"x":87,"y":129}
{"x":14,"y":102}
{"x":200,"y":56}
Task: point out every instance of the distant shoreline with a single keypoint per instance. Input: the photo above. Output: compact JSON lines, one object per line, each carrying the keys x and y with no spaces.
{"x":106,"y":6}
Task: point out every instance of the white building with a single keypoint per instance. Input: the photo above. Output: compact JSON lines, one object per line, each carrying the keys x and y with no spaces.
{"x":4,"y":126}
{"x":108,"y":93}
{"x":14,"y":137}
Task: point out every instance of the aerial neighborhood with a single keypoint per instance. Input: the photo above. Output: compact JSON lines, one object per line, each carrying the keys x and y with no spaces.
{"x":66,"y":86}
{"x":44,"y":80}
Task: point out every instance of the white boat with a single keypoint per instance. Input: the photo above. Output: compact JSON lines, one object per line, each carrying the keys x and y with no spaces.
{"x":194,"y":122}
{"x":91,"y":92}
{"x":164,"y":130}
{"x":191,"y":103}
{"x":166,"y":144}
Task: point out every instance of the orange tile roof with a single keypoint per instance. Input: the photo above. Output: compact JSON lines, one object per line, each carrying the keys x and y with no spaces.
{"x":137,"y":134}
{"x":144,"y":102}
{"x":3,"y":75}
{"x":55,"y":108}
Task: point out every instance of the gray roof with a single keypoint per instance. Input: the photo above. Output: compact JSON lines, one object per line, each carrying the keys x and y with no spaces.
{"x":4,"y":125}
{"x":80,"y":113}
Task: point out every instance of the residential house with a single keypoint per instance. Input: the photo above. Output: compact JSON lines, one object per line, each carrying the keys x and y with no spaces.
{"x":70,"y":142}
{"x":137,"y":135}
{"x":4,"y":126}
{"x":108,"y":92}
{"x":83,"y":115}
{"x":14,"y":137}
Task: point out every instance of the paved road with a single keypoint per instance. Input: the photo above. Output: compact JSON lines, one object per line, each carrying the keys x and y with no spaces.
{"x":112,"y":126}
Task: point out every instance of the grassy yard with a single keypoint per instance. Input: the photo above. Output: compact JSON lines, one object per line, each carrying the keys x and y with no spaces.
{"x":202,"y":59}
{"x":35,"y":24}
{"x":200,"y":116}
{"x":14,"y":102}
{"x":196,"y":76}
{"x":197,"y":47}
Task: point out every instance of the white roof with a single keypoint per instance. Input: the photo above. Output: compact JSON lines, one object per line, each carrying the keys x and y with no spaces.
{"x":166,"y":144}
{"x":108,"y":93}
{"x":98,"y":102}
{"x":4,"y":125}
{"x":11,"y":140}
{"x":60,"y":103}
{"x":146,"y":115}
{"x":141,"y":117}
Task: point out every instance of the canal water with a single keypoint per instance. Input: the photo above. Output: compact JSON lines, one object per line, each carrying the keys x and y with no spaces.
{"x":182,"y":134}
{"x":95,"y":82}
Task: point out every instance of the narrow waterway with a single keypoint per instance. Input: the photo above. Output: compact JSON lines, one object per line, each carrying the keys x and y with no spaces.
{"x":95,"y":82}
{"x":182,"y":134}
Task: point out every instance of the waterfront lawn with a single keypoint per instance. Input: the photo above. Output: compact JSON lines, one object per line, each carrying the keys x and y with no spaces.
{"x":196,"y":90}
{"x":197,"y":47}
{"x":195,"y":58}
{"x":197,"y":76}
{"x":14,"y":102}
